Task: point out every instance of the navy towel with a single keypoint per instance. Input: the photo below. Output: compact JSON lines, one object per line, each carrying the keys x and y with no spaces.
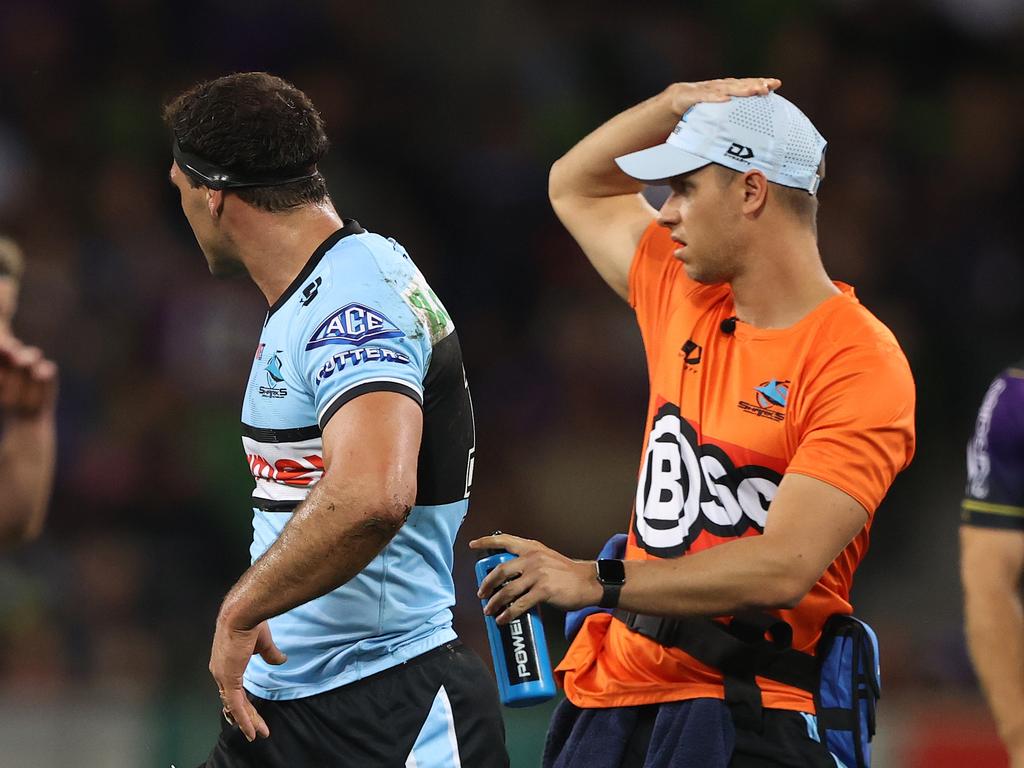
{"x":687,"y":734}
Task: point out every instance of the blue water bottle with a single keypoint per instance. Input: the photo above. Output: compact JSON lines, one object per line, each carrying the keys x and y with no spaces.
{"x":518,"y":649}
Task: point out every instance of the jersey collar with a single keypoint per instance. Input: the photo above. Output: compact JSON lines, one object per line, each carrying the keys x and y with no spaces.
{"x":351,"y":227}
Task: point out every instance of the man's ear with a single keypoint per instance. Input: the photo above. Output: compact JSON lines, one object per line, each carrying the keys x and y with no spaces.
{"x":215,"y":202}
{"x":755,"y":192}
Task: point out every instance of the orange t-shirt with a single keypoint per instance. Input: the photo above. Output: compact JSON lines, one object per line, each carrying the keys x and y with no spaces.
{"x":831,"y":397}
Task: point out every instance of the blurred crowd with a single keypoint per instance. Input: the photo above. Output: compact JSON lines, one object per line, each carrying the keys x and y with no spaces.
{"x":445,"y":118}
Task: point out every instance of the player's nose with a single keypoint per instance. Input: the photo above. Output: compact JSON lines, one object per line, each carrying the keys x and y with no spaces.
{"x":668,"y":214}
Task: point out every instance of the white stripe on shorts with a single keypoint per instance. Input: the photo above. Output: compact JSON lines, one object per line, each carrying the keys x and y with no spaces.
{"x":436,"y":745}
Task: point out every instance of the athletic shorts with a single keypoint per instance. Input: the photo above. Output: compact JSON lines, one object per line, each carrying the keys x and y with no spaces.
{"x":698,"y":733}
{"x":438,"y":710}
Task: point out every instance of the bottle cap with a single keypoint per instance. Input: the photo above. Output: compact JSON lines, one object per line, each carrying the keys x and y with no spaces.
{"x":492,"y":552}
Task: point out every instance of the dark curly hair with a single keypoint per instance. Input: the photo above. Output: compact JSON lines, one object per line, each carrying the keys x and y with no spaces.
{"x":256,"y":124}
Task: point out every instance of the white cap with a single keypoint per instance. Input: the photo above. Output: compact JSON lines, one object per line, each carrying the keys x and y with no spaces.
{"x":764,"y":132}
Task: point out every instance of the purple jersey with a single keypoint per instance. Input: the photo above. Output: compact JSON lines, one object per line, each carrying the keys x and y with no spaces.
{"x":995,"y":456}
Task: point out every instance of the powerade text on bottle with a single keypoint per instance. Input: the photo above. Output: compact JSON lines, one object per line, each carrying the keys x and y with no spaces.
{"x":518,"y":649}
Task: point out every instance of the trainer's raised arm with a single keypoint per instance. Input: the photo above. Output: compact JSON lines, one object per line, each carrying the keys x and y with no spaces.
{"x":599,"y":204}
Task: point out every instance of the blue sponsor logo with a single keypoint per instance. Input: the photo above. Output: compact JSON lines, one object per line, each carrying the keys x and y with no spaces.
{"x":353,"y":324}
{"x":353,"y":357}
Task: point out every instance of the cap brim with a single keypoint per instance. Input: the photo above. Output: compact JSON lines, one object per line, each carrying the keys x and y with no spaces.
{"x":659,"y":163}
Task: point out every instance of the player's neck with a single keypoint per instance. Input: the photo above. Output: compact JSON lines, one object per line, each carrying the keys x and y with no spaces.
{"x":784,"y":281}
{"x":277,"y":246}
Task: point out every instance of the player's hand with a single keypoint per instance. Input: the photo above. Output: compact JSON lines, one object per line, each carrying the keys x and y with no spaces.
{"x":232,"y":648}
{"x":28,"y":381}
{"x":684,"y":95}
{"x":537,"y":575}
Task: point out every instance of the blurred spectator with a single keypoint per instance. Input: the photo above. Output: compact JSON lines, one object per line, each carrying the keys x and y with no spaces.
{"x":28,"y":402}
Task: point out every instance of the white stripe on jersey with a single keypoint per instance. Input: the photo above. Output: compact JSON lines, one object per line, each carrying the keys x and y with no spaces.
{"x":284,"y":471}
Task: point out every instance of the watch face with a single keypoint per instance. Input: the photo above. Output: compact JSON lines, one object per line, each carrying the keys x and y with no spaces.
{"x":611,"y":571}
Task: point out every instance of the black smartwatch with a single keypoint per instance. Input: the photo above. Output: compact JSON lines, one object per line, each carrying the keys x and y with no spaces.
{"x":612,"y":575}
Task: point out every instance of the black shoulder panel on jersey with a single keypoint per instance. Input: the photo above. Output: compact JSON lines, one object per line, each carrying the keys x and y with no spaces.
{"x":449,"y":436}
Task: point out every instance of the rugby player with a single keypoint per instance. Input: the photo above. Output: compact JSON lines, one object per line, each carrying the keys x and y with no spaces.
{"x":992,"y":554}
{"x":336,"y":646}
{"x":780,"y":411}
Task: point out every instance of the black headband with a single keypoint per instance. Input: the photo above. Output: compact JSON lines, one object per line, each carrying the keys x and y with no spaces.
{"x":215,"y":177}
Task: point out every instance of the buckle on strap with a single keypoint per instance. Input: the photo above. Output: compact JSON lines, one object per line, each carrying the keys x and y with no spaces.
{"x":752,"y":644}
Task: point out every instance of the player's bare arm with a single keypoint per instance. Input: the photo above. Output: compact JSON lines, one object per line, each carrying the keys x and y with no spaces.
{"x":774,"y":570}
{"x":371,"y":447}
{"x":28,"y":447}
{"x":602,"y":207}
{"x":992,"y":564}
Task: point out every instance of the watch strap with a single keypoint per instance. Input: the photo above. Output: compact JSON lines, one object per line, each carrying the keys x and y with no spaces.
{"x":610,"y":598}
{"x":611,"y":575}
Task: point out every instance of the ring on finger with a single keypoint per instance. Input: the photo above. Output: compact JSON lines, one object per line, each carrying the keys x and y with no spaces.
{"x":228,"y":716}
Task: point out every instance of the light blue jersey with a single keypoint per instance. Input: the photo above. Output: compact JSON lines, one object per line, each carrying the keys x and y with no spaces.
{"x":359,"y":318}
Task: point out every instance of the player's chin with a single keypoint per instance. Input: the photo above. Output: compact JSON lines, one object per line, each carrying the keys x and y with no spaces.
{"x":225,"y":268}
{"x":703,"y":276}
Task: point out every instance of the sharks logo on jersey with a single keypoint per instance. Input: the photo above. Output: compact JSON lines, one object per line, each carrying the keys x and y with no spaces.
{"x":275,"y":377}
{"x":353,"y":324}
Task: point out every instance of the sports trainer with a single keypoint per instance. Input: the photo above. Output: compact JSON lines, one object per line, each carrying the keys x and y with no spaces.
{"x":992,"y":554}
{"x":28,"y":407}
{"x":780,"y":411}
{"x":336,"y":647}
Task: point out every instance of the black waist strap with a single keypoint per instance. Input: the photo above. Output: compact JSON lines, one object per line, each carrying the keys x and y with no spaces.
{"x":751,"y":645}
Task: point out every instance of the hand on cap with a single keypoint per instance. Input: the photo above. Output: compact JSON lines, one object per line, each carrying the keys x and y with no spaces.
{"x":685,"y":95}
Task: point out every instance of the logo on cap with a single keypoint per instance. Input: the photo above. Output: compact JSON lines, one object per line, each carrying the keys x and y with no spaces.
{"x":740,"y":152}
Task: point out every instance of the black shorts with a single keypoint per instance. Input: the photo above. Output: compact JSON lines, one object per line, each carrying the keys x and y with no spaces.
{"x":438,"y":710}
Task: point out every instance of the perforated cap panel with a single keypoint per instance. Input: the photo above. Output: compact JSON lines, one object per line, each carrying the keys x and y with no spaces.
{"x":753,"y":114}
{"x":802,"y":146}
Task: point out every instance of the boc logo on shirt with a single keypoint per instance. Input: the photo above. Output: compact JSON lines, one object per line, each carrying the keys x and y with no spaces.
{"x":686,"y":489}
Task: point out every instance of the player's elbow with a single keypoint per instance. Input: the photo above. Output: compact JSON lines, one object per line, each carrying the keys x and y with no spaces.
{"x":392,"y":506}
{"x":782,"y":590}
{"x":790,"y":594}
{"x":559,"y":184}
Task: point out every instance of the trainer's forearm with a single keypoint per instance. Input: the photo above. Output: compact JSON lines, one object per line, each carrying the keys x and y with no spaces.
{"x":589,"y":169}
{"x":745,"y":574}
{"x":331,"y":537}
{"x":28,"y":452}
{"x":995,"y":637}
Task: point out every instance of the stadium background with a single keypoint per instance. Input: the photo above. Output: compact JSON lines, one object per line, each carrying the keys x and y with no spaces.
{"x":444,"y":119}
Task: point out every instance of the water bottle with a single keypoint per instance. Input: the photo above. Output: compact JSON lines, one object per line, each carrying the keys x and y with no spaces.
{"x":518,"y":649}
